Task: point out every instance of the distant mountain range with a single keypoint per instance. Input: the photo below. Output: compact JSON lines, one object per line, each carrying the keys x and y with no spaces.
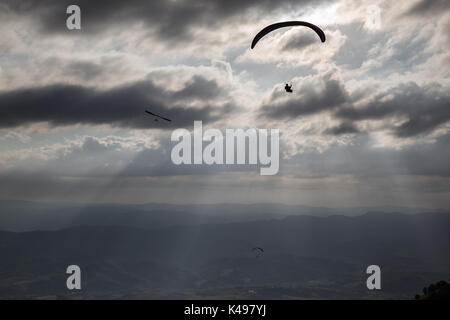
{"x":30,"y":216}
{"x":304,"y":256}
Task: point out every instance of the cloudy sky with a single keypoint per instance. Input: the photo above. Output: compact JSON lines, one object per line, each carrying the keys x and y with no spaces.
{"x":367,"y":124}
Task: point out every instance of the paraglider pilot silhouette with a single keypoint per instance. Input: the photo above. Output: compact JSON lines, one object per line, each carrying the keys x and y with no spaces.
{"x":288,"y":88}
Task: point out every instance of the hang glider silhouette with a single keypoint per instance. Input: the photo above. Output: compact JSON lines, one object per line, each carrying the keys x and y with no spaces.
{"x":157,"y":116}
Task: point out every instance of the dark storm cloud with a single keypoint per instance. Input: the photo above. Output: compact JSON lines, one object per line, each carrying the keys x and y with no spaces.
{"x":426,"y":108}
{"x":429,"y":7}
{"x":172,"y":20}
{"x":307,"y":100}
{"x":198,"y":87}
{"x":120,"y":106}
{"x":372,"y":111}
{"x":343,"y":128}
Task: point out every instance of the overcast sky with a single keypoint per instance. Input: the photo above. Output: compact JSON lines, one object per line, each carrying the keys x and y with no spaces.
{"x":368,"y":122}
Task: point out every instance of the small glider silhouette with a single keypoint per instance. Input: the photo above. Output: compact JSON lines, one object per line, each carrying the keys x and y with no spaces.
{"x":155,"y":115}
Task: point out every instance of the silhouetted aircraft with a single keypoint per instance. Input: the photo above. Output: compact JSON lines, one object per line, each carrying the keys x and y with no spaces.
{"x":155,"y":115}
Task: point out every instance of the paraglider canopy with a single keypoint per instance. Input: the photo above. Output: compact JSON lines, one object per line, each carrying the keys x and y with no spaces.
{"x":279,"y":25}
{"x":257,"y":251}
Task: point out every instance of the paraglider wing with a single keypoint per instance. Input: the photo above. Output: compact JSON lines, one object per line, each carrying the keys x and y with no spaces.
{"x":257,"y":251}
{"x":279,"y":25}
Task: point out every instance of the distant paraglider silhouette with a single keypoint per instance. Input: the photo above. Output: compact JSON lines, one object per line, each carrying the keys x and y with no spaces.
{"x":258,"y":251}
